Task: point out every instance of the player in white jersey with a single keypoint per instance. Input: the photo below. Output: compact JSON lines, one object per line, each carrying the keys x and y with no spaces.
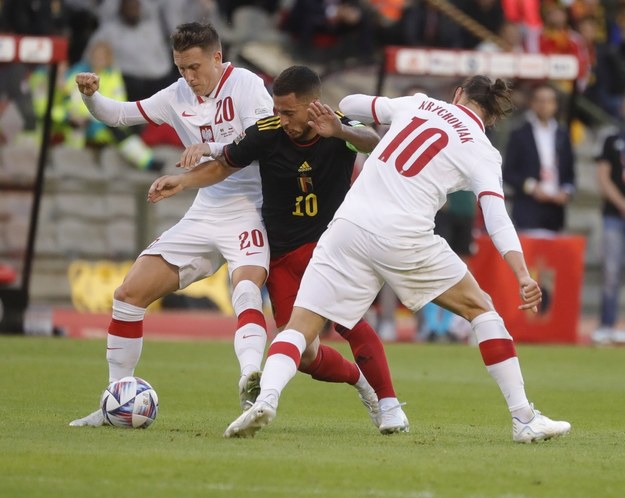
{"x":431,"y":149}
{"x":212,"y":102}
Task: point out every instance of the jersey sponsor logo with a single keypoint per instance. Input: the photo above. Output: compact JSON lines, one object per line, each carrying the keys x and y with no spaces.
{"x":304,"y":168}
{"x":246,"y":336}
{"x":260,"y":111}
{"x":251,"y":253}
{"x":206,"y":132}
{"x":186,"y":114}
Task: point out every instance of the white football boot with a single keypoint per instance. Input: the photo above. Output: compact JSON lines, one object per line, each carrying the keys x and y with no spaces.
{"x":540,"y":428}
{"x":251,"y":421}
{"x":249,"y":389}
{"x":393,"y":420}
{"x":95,"y":419}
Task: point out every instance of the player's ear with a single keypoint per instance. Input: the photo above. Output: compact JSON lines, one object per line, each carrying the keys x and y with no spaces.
{"x":457,"y":95}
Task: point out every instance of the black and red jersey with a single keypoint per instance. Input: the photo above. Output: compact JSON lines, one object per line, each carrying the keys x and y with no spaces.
{"x":303,"y":184}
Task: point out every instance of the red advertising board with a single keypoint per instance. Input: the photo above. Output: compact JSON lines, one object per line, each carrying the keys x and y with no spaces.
{"x":557,"y":264}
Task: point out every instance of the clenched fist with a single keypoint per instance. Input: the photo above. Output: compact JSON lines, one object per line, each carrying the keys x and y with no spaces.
{"x":88,"y":83}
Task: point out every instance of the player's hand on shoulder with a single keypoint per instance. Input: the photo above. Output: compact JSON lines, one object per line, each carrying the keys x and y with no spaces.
{"x":192,"y":155}
{"x":88,"y":83}
{"x":323,"y":119}
{"x":164,"y":187}
{"x":531,"y":295}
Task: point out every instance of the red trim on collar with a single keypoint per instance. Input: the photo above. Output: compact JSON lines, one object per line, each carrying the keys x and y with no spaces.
{"x":305,"y":144}
{"x":224,"y":77}
{"x":373,"y":113}
{"x":144,"y":114}
{"x":472,"y":115}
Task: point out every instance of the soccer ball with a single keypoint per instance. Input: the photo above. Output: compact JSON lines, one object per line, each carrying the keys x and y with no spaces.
{"x":130,"y":402}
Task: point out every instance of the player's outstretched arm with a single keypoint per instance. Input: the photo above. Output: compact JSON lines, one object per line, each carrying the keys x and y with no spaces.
{"x":192,"y":155}
{"x":204,"y":175}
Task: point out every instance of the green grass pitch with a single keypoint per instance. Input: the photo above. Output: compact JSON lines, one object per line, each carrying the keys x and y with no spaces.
{"x":322,"y":444}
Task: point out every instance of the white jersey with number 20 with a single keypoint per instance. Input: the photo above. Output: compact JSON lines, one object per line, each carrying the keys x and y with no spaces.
{"x":431,"y":149}
{"x":237,"y":102}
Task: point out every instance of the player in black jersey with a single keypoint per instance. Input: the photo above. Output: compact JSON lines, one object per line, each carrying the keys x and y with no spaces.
{"x":306,"y":156}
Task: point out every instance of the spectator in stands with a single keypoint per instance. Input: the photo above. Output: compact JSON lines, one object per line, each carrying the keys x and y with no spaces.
{"x":538,"y":166}
{"x":89,"y":130}
{"x":228,"y":7}
{"x":610,"y":71}
{"x":583,"y":9}
{"x":140,"y":49}
{"x":511,"y":34}
{"x":611,"y":179}
{"x":426,"y":26}
{"x":82,"y":19}
{"x":527,"y":14}
{"x":558,"y":38}
{"x":488,"y":13}
{"x":26,"y":17}
{"x":328,"y":30}
{"x":38,"y":90}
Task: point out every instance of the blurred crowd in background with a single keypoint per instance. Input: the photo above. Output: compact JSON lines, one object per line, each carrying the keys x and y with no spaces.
{"x":126,"y":42}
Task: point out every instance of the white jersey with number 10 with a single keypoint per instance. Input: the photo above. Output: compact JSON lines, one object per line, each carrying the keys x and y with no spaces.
{"x":431,"y":149}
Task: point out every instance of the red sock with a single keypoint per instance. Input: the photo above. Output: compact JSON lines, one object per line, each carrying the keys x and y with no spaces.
{"x":330,"y":366}
{"x":369,"y":354}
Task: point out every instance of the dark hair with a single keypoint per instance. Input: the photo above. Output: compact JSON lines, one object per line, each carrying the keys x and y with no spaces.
{"x":300,"y":80}
{"x":195,"y":34}
{"x":542,"y":86}
{"x":493,"y":97}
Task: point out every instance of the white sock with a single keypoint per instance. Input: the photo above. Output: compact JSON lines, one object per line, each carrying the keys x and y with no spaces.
{"x":281,"y":365}
{"x":251,"y":336}
{"x":507,"y":373}
{"x":123,"y":353}
{"x":362,"y":383}
{"x":508,"y":376}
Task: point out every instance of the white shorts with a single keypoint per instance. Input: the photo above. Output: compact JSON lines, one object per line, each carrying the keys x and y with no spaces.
{"x":350,"y":265}
{"x":200,"y":247}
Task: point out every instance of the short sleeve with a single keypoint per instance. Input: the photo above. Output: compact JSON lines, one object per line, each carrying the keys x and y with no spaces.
{"x":256,"y":103}
{"x":485,"y":174}
{"x":242,"y":153}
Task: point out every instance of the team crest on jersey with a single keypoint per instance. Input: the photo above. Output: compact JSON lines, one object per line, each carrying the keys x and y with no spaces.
{"x":206,"y":133}
{"x":305,"y":184}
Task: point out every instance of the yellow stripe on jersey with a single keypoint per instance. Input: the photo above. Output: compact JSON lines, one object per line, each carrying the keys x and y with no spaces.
{"x":265,"y":120}
{"x":271,"y":123}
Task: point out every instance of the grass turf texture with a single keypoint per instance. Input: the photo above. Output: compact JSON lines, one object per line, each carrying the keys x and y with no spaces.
{"x":322,"y":443}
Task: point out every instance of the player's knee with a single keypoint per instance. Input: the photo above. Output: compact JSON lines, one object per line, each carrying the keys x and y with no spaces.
{"x":246,"y":295}
{"x":121,"y":293}
{"x":476,"y":304}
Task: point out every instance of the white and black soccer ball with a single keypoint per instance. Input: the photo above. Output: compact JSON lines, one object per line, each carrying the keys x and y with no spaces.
{"x":130,"y":402}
